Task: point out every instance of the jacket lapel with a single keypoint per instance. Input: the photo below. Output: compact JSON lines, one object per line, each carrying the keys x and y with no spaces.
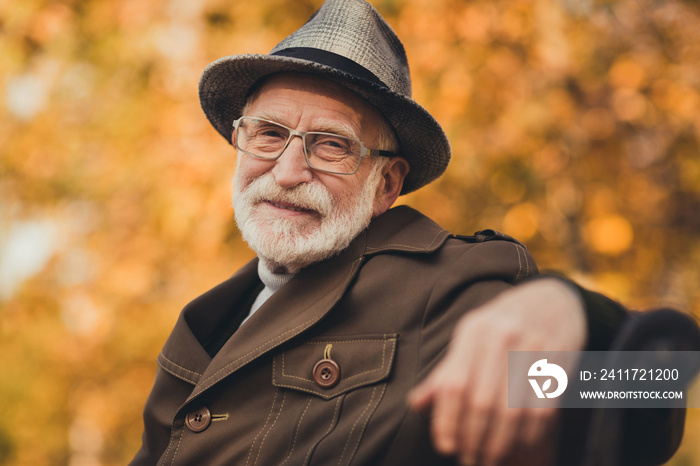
{"x":183,"y":355}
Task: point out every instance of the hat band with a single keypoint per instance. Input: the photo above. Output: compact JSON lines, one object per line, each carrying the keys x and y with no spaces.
{"x":331,"y":59}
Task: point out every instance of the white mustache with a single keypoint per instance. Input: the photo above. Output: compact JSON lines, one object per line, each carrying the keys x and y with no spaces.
{"x":306,"y":196}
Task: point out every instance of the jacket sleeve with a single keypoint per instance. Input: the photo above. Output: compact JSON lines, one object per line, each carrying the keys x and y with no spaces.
{"x":472,"y":275}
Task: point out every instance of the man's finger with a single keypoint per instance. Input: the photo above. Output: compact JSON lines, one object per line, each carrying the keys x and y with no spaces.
{"x":502,"y":440}
{"x":481,"y":406}
{"x":447,"y":411}
{"x":420,"y":398}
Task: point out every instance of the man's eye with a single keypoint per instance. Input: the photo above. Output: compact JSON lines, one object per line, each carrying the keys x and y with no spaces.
{"x":333,"y":143}
{"x":271,"y":133}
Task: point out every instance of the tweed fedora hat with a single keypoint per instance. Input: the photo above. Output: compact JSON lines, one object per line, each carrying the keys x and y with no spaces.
{"x":346,"y":41}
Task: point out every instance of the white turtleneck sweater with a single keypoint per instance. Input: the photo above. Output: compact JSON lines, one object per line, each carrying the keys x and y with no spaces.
{"x":272,"y":281}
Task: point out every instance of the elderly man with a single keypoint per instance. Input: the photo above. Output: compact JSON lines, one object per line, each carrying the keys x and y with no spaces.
{"x":309,"y":353}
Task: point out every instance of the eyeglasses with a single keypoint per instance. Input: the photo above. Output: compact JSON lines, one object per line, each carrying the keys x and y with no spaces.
{"x":326,"y":152}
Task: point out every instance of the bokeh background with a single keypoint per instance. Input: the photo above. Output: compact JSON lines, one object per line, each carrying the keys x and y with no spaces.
{"x":575,"y":126}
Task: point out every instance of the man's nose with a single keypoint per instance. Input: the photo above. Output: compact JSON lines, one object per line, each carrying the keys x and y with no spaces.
{"x":291,"y":168}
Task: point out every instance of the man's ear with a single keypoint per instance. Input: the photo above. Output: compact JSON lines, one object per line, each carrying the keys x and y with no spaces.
{"x":393,"y":175}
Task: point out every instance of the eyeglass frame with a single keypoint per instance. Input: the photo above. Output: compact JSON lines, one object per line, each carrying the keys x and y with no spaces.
{"x":364,"y":151}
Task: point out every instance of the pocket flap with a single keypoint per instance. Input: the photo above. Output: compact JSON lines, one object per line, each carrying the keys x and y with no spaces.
{"x":360,"y":360}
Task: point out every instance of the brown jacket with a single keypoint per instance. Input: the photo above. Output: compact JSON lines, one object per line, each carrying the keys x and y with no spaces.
{"x":383,"y":310}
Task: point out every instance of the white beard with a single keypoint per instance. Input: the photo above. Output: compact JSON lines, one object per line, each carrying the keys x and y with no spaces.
{"x":291,"y":244}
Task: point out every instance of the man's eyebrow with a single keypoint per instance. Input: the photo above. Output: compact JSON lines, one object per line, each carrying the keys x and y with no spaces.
{"x":271,"y":117}
{"x":335,"y":127}
{"x":320,"y":125}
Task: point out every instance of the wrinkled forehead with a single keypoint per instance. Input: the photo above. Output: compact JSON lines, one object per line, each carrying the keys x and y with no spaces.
{"x":311,"y":84}
{"x":319,"y":91}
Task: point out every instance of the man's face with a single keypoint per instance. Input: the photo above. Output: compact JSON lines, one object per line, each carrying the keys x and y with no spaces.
{"x":290,"y":214}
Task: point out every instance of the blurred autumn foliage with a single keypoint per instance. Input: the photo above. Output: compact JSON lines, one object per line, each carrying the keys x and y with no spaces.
{"x":575,"y":126}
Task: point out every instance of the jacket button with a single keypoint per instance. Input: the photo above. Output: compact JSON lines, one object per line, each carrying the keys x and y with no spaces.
{"x":326,"y":373}
{"x":199,"y":420}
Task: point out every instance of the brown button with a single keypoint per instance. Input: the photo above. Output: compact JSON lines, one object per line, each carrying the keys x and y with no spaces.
{"x":199,"y":420}
{"x":326,"y":373}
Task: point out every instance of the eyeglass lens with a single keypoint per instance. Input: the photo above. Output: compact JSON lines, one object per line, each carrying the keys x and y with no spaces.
{"x":324,"y":151}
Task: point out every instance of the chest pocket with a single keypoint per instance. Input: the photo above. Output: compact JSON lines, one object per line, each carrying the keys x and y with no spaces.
{"x":330,"y":366}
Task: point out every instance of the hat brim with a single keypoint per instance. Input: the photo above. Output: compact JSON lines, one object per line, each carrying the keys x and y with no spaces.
{"x":225,"y":84}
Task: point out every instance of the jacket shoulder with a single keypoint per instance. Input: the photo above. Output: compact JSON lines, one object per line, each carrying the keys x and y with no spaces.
{"x":403,"y":229}
{"x":488,"y":254}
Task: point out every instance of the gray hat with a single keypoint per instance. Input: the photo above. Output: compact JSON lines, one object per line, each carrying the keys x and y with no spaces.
{"x":346,"y":41}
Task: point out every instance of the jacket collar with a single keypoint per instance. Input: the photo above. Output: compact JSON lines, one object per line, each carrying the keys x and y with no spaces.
{"x":183,"y":355}
{"x":296,"y":307}
{"x":403,"y":229}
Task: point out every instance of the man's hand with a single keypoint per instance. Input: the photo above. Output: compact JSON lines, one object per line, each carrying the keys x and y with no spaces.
{"x":467,"y":390}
